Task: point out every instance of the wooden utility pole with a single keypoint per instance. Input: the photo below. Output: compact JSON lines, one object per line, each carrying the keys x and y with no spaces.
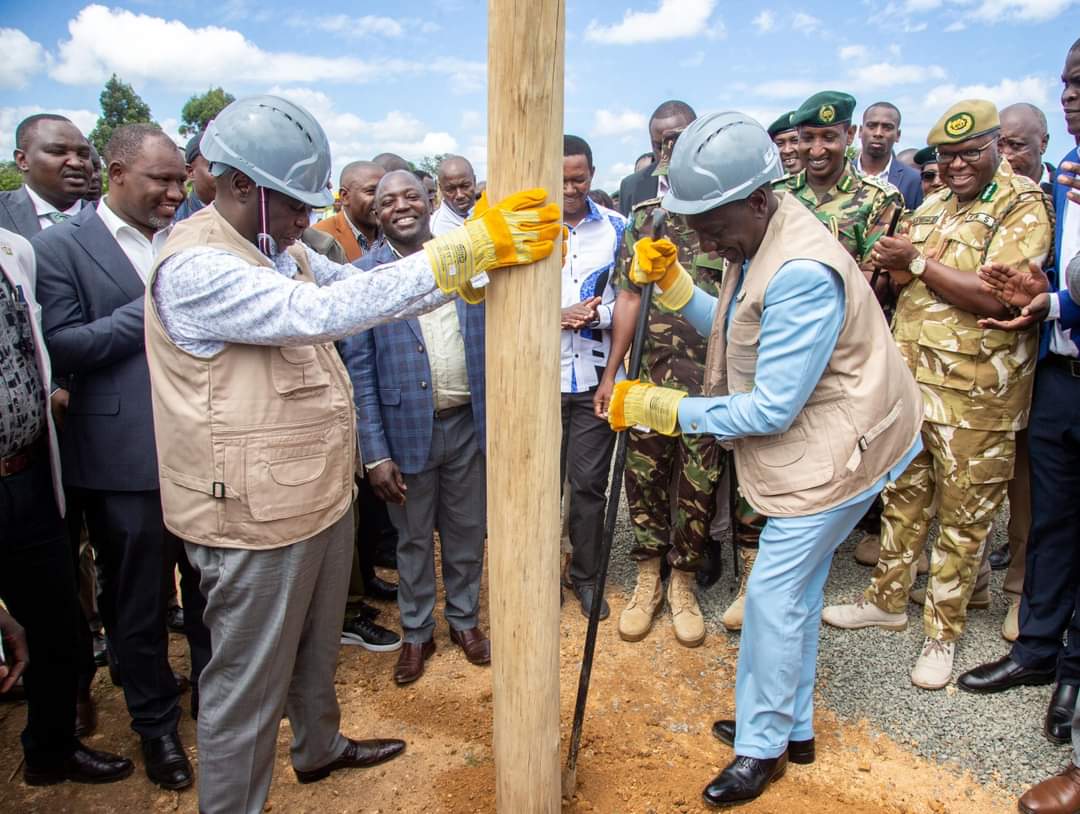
{"x":525,"y":128}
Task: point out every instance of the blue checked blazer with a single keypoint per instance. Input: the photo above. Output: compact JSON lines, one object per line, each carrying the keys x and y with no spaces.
{"x":1070,"y":311}
{"x":388,"y":364}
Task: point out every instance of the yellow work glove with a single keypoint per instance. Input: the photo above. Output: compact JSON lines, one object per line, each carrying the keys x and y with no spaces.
{"x":657,"y":261}
{"x":635,"y":402}
{"x":517,"y":230}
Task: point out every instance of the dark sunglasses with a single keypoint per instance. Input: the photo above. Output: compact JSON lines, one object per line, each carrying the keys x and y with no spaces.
{"x":929,"y":175}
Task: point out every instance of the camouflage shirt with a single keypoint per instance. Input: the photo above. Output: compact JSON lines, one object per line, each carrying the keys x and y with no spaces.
{"x":857,"y":210}
{"x":674,"y":354}
{"x":971,"y":377}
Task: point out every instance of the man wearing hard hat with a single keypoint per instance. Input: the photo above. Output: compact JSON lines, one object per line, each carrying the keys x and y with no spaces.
{"x":804,"y":379}
{"x":256,"y":431}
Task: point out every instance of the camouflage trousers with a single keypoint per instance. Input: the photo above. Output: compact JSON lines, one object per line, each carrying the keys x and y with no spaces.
{"x":671,"y":491}
{"x":960,"y":477}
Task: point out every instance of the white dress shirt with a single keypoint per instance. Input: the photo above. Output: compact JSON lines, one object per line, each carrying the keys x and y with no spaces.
{"x":590,"y":260}
{"x":445,"y":219}
{"x":140,"y":251}
{"x":46,"y":210}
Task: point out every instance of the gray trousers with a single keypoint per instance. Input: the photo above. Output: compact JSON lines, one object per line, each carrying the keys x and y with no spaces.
{"x":275,"y":626}
{"x":448,"y":495}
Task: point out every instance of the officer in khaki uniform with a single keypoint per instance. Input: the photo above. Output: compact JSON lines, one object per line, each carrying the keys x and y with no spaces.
{"x":976,"y":382}
{"x":660,"y":468}
{"x":857,"y":210}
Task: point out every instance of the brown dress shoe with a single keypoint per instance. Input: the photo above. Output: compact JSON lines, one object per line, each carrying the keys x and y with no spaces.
{"x":410,"y":663}
{"x":476,"y":645}
{"x":357,"y":755}
{"x":1058,"y":795}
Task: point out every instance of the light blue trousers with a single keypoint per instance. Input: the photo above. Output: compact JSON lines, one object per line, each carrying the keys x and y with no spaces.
{"x":774,"y":684}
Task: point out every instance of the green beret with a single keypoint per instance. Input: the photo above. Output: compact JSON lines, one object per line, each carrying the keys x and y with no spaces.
{"x":927,"y":155}
{"x":964,"y":120}
{"x":825,"y":109}
{"x":781,"y":124}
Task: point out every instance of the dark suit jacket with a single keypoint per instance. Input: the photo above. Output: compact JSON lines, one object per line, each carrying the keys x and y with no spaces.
{"x":640,"y":186}
{"x":908,"y":181}
{"x":92,"y":312}
{"x":394,"y":415}
{"x":17,"y":213}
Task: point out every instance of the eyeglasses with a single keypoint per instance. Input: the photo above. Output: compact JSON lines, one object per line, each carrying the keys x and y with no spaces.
{"x":968,"y":156}
{"x":929,"y":175}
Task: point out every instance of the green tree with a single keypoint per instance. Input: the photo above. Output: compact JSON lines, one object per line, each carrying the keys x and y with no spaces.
{"x":10,"y":177}
{"x":201,"y":108}
{"x":430,"y":163}
{"x":120,"y":105}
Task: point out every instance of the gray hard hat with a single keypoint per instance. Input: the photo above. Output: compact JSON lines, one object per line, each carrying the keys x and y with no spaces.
{"x":276,"y":143}
{"x":719,"y":159}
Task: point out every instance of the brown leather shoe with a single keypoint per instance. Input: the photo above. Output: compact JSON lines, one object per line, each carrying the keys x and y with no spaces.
{"x":357,"y":755}
{"x":410,"y":663}
{"x":85,"y":715}
{"x":476,"y":645}
{"x":1058,"y":795}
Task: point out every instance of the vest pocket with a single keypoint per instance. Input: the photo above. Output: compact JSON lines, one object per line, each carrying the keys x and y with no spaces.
{"x":297,"y":373}
{"x":292,"y":475}
{"x":789,"y":462}
{"x":947,"y":355}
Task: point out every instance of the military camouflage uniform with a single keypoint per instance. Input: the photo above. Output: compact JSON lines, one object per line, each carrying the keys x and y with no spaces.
{"x":686,"y":467}
{"x":857,"y":210}
{"x":976,"y":387}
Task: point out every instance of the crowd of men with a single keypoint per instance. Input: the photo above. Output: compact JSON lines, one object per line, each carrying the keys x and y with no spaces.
{"x":203,"y":384}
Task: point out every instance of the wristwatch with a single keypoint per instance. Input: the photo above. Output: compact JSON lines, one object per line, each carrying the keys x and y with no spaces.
{"x":917,"y":266}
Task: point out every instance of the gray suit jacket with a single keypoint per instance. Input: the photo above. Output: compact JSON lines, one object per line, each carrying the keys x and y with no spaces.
{"x":17,"y":213}
{"x":92,"y":312}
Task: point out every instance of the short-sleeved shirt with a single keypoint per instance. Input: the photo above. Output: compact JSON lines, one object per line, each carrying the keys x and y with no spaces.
{"x":972,"y":377}
{"x":857,"y":210}
{"x":674,"y":354}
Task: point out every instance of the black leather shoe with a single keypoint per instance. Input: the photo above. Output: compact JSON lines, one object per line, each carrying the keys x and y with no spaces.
{"x":357,"y":755}
{"x":81,"y":766}
{"x":1059,"y":715}
{"x":713,"y":567}
{"x":167,"y":763}
{"x":1000,"y":558}
{"x":744,"y":779}
{"x":995,"y":676}
{"x":585,"y":591}
{"x":379,"y":588}
{"x":174,"y":619}
{"x":801,"y":752}
{"x":101,"y":655}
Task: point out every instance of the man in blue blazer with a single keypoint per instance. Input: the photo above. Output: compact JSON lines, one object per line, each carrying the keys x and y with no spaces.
{"x":91,"y":272}
{"x":879,"y":132}
{"x":419,"y":390}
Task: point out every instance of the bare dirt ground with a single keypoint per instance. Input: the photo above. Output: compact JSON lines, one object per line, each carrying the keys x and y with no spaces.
{"x":646,"y":749}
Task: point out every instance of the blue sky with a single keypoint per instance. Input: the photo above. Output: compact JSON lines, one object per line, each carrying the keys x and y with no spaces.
{"x":411,"y":77}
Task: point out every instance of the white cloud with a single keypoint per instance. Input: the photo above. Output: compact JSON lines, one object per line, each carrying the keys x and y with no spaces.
{"x":805,"y":23}
{"x":1033,"y":89}
{"x":609,"y":177}
{"x":11,"y":116}
{"x":366,"y":26}
{"x":765,"y":21}
{"x":617,"y":123}
{"x":1026,"y":10}
{"x":955,"y":25}
{"x":154,"y":46}
{"x":471,"y":120}
{"x":672,"y":19}
{"x":853,"y":52}
{"x":695,"y":60}
{"x":353,"y":138}
{"x":886,"y":74}
{"x":921,"y":5}
{"x":23,"y":58}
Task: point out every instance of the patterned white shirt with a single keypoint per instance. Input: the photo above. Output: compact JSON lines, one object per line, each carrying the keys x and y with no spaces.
{"x":207,"y":298}
{"x":590,"y":260}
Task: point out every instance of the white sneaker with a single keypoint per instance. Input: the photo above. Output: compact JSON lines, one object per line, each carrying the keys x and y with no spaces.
{"x":862,"y":614}
{"x":934,"y":668}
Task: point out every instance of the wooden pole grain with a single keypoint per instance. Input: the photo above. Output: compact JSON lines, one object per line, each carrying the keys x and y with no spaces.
{"x":525,"y":121}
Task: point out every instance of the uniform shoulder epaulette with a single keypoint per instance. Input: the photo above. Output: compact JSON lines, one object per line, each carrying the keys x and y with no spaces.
{"x":646,"y":203}
{"x":789,"y":181}
{"x":877,"y":183}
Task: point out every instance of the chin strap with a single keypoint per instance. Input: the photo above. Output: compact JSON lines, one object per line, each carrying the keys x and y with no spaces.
{"x":266,"y":244}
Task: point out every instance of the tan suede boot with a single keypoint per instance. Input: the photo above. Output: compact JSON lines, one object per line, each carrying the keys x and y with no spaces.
{"x":868,"y":550}
{"x":685,"y":612}
{"x":733,"y":616}
{"x":636,"y":620}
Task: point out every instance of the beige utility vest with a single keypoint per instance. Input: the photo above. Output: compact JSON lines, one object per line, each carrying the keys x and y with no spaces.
{"x":864,"y":413}
{"x":256,"y":445}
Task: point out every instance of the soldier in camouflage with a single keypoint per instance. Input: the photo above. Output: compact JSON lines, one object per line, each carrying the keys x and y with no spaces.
{"x":976,"y":382}
{"x":670,"y":482}
{"x":857,"y":210}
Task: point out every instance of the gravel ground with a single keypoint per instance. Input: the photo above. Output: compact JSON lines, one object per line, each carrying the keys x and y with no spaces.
{"x":864,"y":674}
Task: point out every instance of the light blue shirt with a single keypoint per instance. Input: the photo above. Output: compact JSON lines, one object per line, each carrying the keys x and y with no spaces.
{"x":801,"y":320}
